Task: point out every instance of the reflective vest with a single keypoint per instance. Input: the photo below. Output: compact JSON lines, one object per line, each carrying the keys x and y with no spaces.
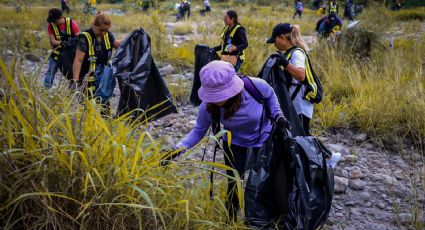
{"x":333,"y":7}
{"x":232,"y":33}
{"x":314,"y":91}
{"x":91,"y":54}
{"x":59,"y":36}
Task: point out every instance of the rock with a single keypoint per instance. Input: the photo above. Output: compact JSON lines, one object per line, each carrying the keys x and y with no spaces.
{"x":364,"y":196}
{"x":167,"y":70}
{"x":356,"y":173}
{"x":384,"y":196}
{"x":340,"y":184}
{"x":350,"y":203}
{"x":339,"y":214}
{"x":368,"y":146}
{"x":380,"y":205}
{"x":350,"y":158}
{"x":355,"y":213}
{"x":361,"y":137}
{"x":367,"y":204}
{"x":405,"y":218}
{"x":357,"y":184}
{"x":323,"y":139}
{"x":189,"y":76}
{"x":385,"y":178}
{"x":32,"y":57}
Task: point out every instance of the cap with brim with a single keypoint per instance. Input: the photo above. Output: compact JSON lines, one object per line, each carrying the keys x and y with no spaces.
{"x":282,"y":28}
{"x":219,"y":82}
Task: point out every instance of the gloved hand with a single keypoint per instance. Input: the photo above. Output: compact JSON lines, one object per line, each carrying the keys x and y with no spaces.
{"x":281,"y":59}
{"x":74,"y":85}
{"x":282,"y":124}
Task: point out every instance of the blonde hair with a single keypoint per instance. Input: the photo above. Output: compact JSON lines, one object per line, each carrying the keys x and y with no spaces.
{"x":295,"y":37}
{"x":102,"y":19}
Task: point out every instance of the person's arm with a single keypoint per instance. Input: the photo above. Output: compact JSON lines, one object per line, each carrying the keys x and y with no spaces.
{"x":269,"y":96}
{"x":75,"y":29}
{"x":242,"y":38}
{"x":296,"y":65}
{"x":117,"y":43}
{"x":203,"y":122}
{"x":53,"y":40}
{"x":296,"y":72}
{"x":78,"y":62}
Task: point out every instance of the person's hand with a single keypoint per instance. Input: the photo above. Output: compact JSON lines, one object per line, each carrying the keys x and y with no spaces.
{"x":281,"y":59}
{"x":74,"y":85}
{"x":232,"y":49}
{"x":282,"y":123}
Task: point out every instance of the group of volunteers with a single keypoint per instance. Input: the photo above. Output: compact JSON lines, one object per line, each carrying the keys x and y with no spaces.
{"x":222,"y":91}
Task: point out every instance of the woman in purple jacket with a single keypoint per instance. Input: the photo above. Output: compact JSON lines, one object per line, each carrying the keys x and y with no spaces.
{"x":225,"y":99}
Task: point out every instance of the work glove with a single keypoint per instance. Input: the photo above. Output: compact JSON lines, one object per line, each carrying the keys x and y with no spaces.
{"x":281,"y":59}
{"x":282,"y":124}
{"x":74,"y":85}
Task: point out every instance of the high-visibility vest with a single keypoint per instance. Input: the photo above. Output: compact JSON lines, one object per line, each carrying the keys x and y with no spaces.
{"x":333,"y":7}
{"x":92,"y":3}
{"x":232,"y":33}
{"x":60,"y":36}
{"x":92,"y":55}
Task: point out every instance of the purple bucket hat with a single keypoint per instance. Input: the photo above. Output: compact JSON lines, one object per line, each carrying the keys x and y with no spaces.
{"x":219,"y":82}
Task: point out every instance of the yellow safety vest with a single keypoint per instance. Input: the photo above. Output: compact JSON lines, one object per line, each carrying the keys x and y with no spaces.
{"x":68,"y":32}
{"x":308,"y":74}
{"x":92,"y":54}
{"x":232,"y":33}
{"x":332,"y":7}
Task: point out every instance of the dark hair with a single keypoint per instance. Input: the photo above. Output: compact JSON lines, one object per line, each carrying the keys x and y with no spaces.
{"x":230,"y":107}
{"x":54,"y":14}
{"x":233,"y":15}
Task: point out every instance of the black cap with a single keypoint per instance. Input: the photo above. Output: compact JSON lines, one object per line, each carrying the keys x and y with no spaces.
{"x":54,"y":14}
{"x":282,"y":28}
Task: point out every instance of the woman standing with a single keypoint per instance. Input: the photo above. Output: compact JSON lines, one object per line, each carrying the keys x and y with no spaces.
{"x":287,"y":38}
{"x":94,"y":50}
{"x":224,"y":99}
{"x":233,"y":41}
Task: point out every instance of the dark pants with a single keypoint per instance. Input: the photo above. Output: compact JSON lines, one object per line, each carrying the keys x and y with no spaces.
{"x":299,"y":12}
{"x":234,"y":157}
{"x":238,"y":64}
{"x":306,"y":124}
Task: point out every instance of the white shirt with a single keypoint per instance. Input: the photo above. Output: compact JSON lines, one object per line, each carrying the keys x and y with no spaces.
{"x":301,"y":105}
{"x":206,"y":3}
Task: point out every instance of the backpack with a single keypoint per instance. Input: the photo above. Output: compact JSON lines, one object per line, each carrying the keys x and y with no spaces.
{"x":314,"y":90}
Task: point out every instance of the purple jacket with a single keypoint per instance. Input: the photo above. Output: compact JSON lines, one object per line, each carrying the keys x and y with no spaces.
{"x":245,"y":124}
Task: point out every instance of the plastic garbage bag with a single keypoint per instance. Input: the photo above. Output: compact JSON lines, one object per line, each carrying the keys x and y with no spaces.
{"x":66,"y":59}
{"x":203,"y":55}
{"x":273,"y":74}
{"x":104,"y":83}
{"x":143,"y":90}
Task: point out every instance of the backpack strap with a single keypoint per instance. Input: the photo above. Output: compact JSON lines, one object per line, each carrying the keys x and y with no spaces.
{"x":68,"y":26}
{"x":252,"y":89}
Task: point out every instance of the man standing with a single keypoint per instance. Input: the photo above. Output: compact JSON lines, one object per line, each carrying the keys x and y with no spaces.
{"x":60,"y":30}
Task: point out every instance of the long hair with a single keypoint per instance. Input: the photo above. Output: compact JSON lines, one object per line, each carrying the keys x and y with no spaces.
{"x":295,"y":37}
{"x":230,"y":107}
{"x":102,"y":19}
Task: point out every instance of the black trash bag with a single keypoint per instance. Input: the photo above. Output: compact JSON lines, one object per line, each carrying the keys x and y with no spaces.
{"x":143,"y":91}
{"x":266,"y":191}
{"x":290,"y":185}
{"x":310,"y":198}
{"x":66,"y":58}
{"x":203,"y":55}
{"x":273,"y":74}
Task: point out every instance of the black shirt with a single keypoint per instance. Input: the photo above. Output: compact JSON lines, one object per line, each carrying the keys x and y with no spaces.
{"x":239,"y":40}
{"x":102,"y":55}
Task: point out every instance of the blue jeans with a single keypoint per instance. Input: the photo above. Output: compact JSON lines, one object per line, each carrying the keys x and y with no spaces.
{"x":51,"y":72}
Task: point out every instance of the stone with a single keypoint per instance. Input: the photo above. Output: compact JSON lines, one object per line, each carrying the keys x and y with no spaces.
{"x":380,"y":205}
{"x":385,"y":178}
{"x":405,"y":218}
{"x":357,"y":184}
{"x":339,"y":214}
{"x":356,"y":173}
{"x":340,"y":184}
{"x":364,"y":196}
{"x":361,"y":137}
{"x":323,"y":139}
{"x":167,"y":70}
{"x":32,"y":57}
{"x":367,"y":204}
{"x":350,"y":158}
